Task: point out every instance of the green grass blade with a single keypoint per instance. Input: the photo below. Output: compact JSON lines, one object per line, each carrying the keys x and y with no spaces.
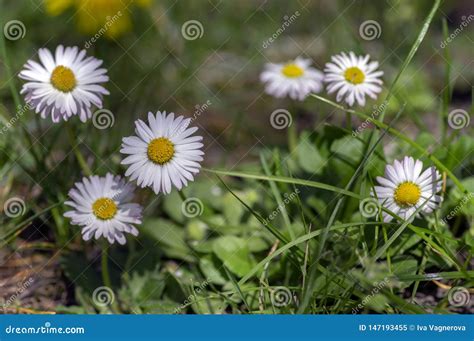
{"x":436,"y":276}
{"x":284,"y":179}
{"x":414,"y":48}
{"x":447,"y":80}
{"x":237,"y":288}
{"x":276,"y":193}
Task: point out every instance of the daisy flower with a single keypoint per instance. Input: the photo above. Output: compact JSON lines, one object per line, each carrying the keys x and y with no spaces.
{"x":405,"y":188}
{"x":65,"y":84}
{"x":102,"y":207}
{"x":163,"y":152}
{"x":353,"y":77}
{"x":295,"y":79}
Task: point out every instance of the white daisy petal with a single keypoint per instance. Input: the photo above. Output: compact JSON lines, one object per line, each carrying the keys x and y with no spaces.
{"x":64,"y":85}
{"x":102,"y":207}
{"x":403,"y":190}
{"x":164,"y":154}
{"x":354,"y":76}
{"x":295,"y":79}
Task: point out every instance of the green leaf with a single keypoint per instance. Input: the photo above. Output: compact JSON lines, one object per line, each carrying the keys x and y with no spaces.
{"x":257,"y":244}
{"x":211,"y":270}
{"x":196,"y":230}
{"x":404,"y":266}
{"x":205,"y":305}
{"x":458,"y":150}
{"x":172,"y":206}
{"x":169,"y":236}
{"x":233,"y":210}
{"x":347,"y":151}
{"x":234,"y":253}
{"x":309,"y":157}
{"x":378,"y":303}
{"x":463,"y":203}
{"x":140,"y":290}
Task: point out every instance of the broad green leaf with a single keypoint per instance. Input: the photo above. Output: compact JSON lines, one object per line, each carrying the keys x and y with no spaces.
{"x":257,"y":244}
{"x":234,"y":253}
{"x":378,"y":303}
{"x":172,"y":205}
{"x":140,"y":290}
{"x":212,"y":270}
{"x":233,"y":210}
{"x":196,"y":230}
{"x":169,"y":236}
{"x":309,"y":157}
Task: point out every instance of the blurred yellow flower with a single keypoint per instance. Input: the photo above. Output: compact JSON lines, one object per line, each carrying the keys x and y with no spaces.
{"x":113,"y":16}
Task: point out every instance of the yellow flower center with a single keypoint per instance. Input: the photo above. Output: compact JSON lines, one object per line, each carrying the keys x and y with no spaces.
{"x":292,"y":71}
{"x":160,"y":150}
{"x":63,"y":79}
{"x":407,"y":194}
{"x":104,"y":208}
{"x":354,"y":75}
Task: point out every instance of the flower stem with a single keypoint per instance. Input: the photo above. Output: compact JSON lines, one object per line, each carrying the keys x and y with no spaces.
{"x":292,"y":137}
{"x":105,"y":267}
{"x":80,"y":158}
{"x":182,"y":195}
{"x":106,"y":276}
{"x":293,"y":131}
